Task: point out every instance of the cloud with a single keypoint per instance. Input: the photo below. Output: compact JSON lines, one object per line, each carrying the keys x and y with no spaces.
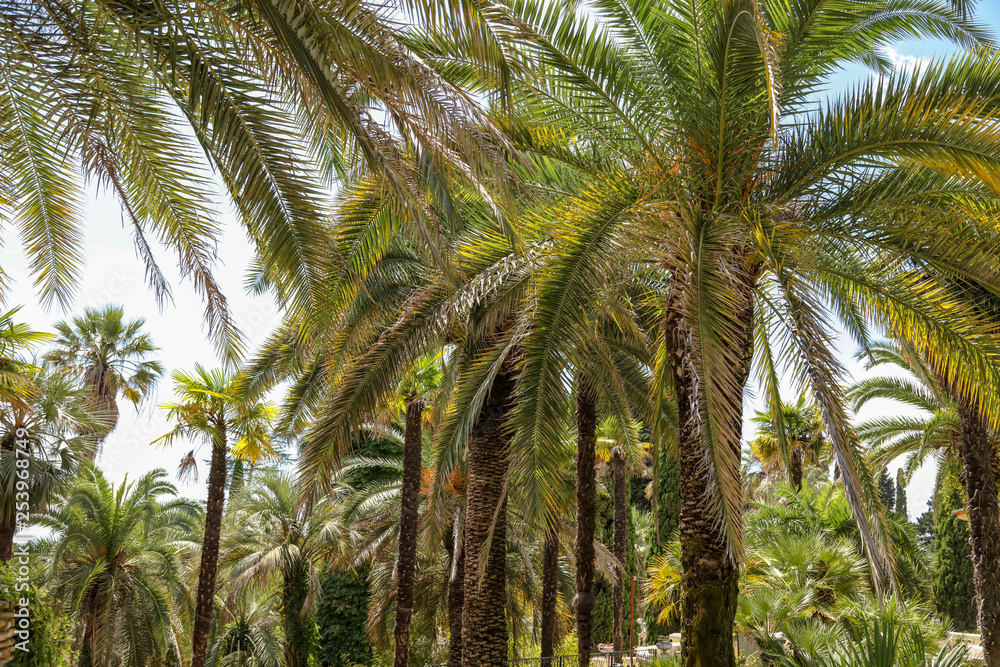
{"x":904,"y":63}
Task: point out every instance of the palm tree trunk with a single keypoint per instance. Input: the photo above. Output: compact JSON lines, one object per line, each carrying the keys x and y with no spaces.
{"x":984,"y":525}
{"x":621,"y":507}
{"x":456,"y":600}
{"x":586,"y":508}
{"x":484,"y":621}
{"x":406,"y":564}
{"x":7,"y":530}
{"x":8,"y":527}
{"x":298,"y":636}
{"x":710,"y":577}
{"x":795,"y":468}
{"x":550,"y":592}
{"x":205,"y":604}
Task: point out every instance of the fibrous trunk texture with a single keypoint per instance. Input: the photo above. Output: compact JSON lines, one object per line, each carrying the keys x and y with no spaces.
{"x":620,"y":527}
{"x":406,"y":563}
{"x":456,"y":600}
{"x":795,"y":468}
{"x":980,"y":479}
{"x":550,"y":592}
{"x":205,"y":603}
{"x":586,"y":508}
{"x":710,"y":577}
{"x":484,"y":621}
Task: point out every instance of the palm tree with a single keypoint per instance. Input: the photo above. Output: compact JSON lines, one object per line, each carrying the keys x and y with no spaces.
{"x":415,"y":390}
{"x":933,"y":432}
{"x":620,"y":444}
{"x":690,"y":152}
{"x":111,"y":356}
{"x":272,"y":536}
{"x":252,"y":638}
{"x":16,"y":339}
{"x":297,"y":109}
{"x":796,"y":438}
{"x":47,"y":435}
{"x":955,"y":426}
{"x":210,"y":410}
{"x":114,"y":566}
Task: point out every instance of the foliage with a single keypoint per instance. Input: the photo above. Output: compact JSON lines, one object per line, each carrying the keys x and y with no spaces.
{"x":901,"y":509}
{"x":115,"y":567}
{"x":954,"y":591}
{"x":51,"y":641}
{"x":881,"y":639}
{"x":341,"y":619}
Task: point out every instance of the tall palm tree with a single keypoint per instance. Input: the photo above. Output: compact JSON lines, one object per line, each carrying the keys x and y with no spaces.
{"x":414,"y":392}
{"x":272,"y":536}
{"x":114,"y":566}
{"x":692,"y":153}
{"x":792,"y":440}
{"x":210,"y":409}
{"x":112,"y":358}
{"x":619,"y":443}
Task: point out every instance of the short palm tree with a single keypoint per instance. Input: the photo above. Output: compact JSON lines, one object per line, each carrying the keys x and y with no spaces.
{"x":114,"y":566}
{"x":251,"y":638}
{"x":112,"y":357}
{"x":273,"y":537}
{"x":210,"y":410}
{"x":793,"y":439}
{"x":50,"y":430}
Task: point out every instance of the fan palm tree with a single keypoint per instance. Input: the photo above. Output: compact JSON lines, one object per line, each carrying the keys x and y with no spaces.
{"x":795,"y":438}
{"x":112,"y":358}
{"x":690,"y":150}
{"x":48,"y":432}
{"x":274,"y":537}
{"x":114,"y":566}
{"x":211,"y":410}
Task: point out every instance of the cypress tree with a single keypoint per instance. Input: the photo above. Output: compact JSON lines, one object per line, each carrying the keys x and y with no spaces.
{"x":887,"y":490}
{"x":954,"y":592}
{"x":901,"y":496}
{"x":668,"y":510}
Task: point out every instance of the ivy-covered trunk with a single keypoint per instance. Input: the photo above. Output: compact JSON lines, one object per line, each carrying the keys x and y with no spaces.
{"x":550,"y":592}
{"x":406,"y":563}
{"x":980,"y":479}
{"x":205,"y":603}
{"x":586,"y":508}
{"x":300,"y":634}
{"x":484,"y":621}
{"x":620,"y":539}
